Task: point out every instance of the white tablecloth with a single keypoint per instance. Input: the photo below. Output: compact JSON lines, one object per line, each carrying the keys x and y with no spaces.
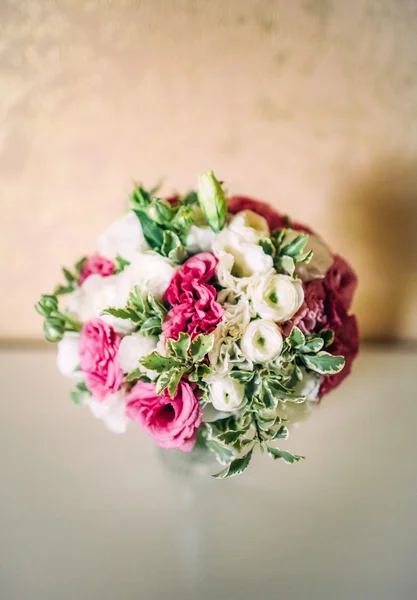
{"x":87,"y":515}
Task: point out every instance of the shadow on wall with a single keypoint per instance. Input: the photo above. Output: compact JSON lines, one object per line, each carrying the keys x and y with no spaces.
{"x":379,"y":213}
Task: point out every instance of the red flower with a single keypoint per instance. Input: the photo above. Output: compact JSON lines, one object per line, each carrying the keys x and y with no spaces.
{"x":275,"y":219}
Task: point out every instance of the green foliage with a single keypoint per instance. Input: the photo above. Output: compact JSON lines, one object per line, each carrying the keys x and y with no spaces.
{"x":165,"y":226}
{"x":236,"y":467}
{"x":121,"y":263}
{"x":71,"y":278}
{"x":56,"y":323}
{"x":324,"y":363}
{"x":143,"y":309}
{"x":212,"y":200}
{"x":80,"y":394}
{"x":287,"y":457}
{"x":287,"y":256}
{"x":183,"y":357}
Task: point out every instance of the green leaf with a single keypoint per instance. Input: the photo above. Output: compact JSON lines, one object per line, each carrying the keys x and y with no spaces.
{"x":178,"y":255}
{"x":287,"y":264}
{"x":289,"y":458}
{"x":323,"y":363}
{"x":157,"y":307}
{"x":277,"y":237}
{"x":313,"y":345}
{"x":133,"y":375}
{"x":242,"y":376}
{"x":151,"y":326}
{"x":119,"y":313}
{"x":200,"y":345}
{"x":296,"y":246}
{"x":80,"y":263}
{"x":223,"y":454}
{"x":60,"y":290}
{"x":179,"y":347}
{"x":163,"y":381}
{"x":175,"y":381}
{"x":327,"y":336}
{"x":152,"y":232}
{"x":163,"y":210}
{"x":296,"y":339}
{"x":190,"y":198}
{"x":77,"y":397}
{"x":203,"y":370}
{"x":81,"y":387}
{"x":229,"y":437}
{"x":212,"y":200}
{"x":236,"y":467}
{"x":170,"y":242}
{"x":281,"y":434}
{"x":68,"y":275}
{"x":156,"y":362}
{"x":121,"y":263}
{"x":267,"y":246}
{"x":136,"y":299}
{"x":305,"y":258}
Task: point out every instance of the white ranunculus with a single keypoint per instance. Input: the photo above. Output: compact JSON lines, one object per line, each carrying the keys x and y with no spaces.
{"x":250,"y":226}
{"x":199,"y":239}
{"x":112,"y":411}
{"x":321,"y":260}
{"x":226,"y":394}
{"x":262,"y":341}
{"x":238,"y":259}
{"x":132,"y":348}
{"x":68,"y":358}
{"x":309,"y":385}
{"x":123,"y":237}
{"x":275,"y":297}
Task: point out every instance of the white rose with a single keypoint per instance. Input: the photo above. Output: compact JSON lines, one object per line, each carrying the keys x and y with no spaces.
{"x":262,"y":341}
{"x":320,"y":262}
{"x":123,"y":237}
{"x":112,"y":411}
{"x":226,"y":394}
{"x":275,"y":297}
{"x":68,"y":358}
{"x":199,"y":239}
{"x":210,"y":414}
{"x":250,"y":226}
{"x":238,"y":259}
{"x":150,"y":271}
{"x":132,"y":348}
{"x":96,"y":294}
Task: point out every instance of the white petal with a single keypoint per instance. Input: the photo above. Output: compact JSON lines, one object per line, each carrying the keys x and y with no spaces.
{"x":132,"y":348}
{"x":112,"y":411}
{"x":124,"y":237}
{"x":68,"y":357}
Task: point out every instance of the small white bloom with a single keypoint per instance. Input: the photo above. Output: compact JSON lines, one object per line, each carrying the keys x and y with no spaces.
{"x":250,"y":226}
{"x":199,"y":239}
{"x":275,"y":297}
{"x":238,"y":259}
{"x":132,"y":348}
{"x":320,"y":262}
{"x":94,"y":296}
{"x":150,"y":271}
{"x":68,"y":358}
{"x":226,"y":393}
{"x":112,"y":411}
{"x":123,"y":237}
{"x":262,"y":341}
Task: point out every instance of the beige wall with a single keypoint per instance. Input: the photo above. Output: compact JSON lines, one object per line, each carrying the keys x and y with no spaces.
{"x":311,"y":104}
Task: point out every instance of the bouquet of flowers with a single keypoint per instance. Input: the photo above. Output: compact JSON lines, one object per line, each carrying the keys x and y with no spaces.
{"x":202,"y":319}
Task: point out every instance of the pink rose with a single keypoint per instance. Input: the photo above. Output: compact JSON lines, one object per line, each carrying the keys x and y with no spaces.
{"x":98,"y":358}
{"x":96,"y":265}
{"x":194,"y":306}
{"x":196,"y":270}
{"x":173,"y":423}
{"x":275,"y":219}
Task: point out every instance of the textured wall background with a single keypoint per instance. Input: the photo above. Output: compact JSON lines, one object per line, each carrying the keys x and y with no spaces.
{"x":311,"y":104}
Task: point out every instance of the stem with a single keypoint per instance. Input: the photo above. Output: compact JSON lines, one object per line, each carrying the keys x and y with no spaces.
{"x":76,"y":325}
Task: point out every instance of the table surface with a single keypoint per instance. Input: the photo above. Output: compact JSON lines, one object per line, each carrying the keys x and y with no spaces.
{"x":88,"y":515}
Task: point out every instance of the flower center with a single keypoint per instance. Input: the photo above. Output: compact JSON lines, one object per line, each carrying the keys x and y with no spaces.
{"x":166,"y":413}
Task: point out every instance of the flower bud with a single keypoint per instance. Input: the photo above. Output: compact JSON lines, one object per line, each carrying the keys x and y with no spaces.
{"x":212,"y":200}
{"x":53,"y":329}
